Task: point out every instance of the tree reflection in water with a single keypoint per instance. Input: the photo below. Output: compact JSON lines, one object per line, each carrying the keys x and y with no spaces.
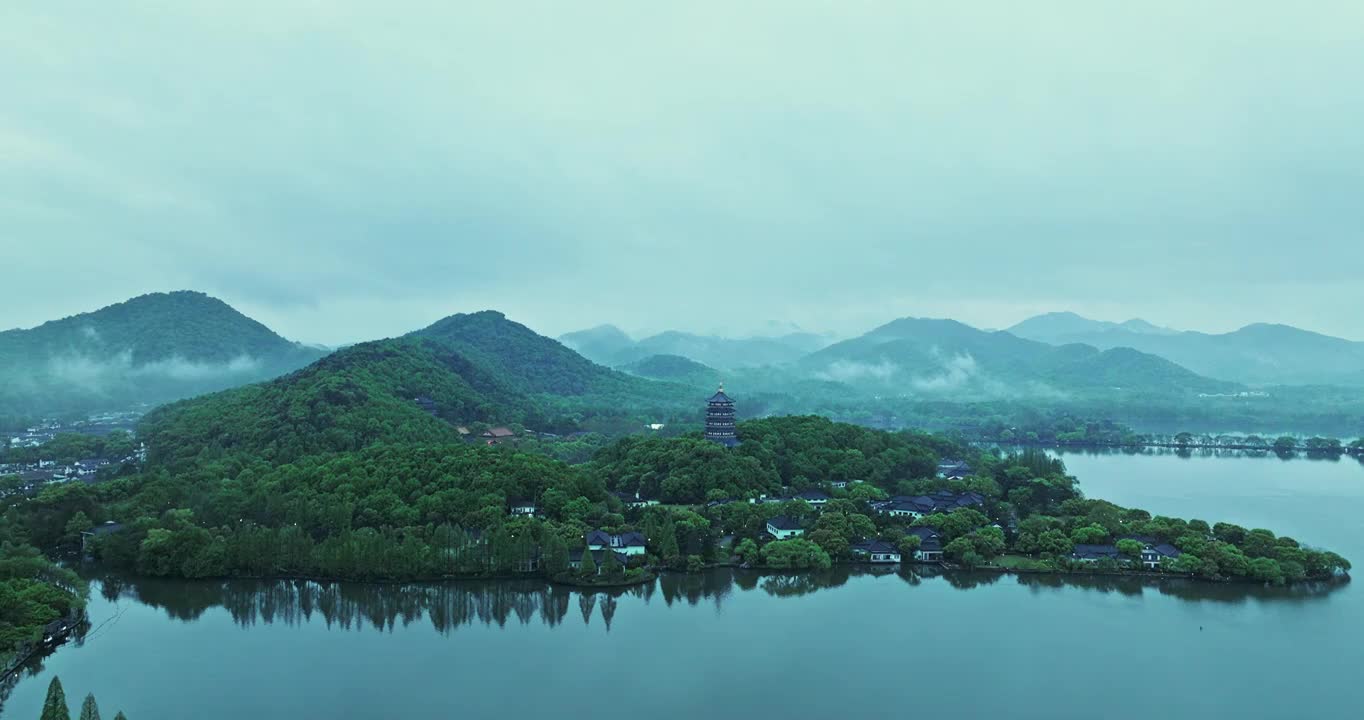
{"x":448,"y":606}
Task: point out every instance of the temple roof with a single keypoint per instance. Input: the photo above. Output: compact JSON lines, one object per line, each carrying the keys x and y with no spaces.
{"x":720,"y":396}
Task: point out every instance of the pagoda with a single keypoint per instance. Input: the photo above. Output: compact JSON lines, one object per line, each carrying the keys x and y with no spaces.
{"x":720,"y":419}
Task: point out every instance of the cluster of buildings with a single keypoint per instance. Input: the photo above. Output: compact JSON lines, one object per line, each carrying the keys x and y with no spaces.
{"x":623,"y":546}
{"x":1153,"y":552}
{"x":32,"y":476}
{"x":914,"y":507}
{"x":917,"y":506}
{"x":930,"y":548}
{"x":97,"y":424}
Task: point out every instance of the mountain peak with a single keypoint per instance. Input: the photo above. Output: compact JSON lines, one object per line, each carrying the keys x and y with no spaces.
{"x":150,"y":348}
{"x":536,"y":363}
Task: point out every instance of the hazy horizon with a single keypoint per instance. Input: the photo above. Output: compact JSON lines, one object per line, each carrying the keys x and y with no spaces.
{"x":342,"y":174}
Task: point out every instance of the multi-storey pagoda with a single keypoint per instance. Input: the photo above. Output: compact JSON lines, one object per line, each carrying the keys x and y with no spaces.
{"x":720,"y":419}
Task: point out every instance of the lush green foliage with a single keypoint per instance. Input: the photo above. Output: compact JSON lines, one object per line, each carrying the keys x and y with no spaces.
{"x":55,"y":708}
{"x":54,"y":705}
{"x":786,"y":451}
{"x":33,"y":593}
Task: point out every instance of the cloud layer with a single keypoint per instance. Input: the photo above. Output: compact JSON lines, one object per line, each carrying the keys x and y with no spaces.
{"x":349,"y":173}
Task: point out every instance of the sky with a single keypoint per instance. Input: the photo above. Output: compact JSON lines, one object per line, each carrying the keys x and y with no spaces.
{"x":345,"y":173}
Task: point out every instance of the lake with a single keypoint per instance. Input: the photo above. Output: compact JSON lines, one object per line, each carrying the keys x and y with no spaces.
{"x":847,"y":643}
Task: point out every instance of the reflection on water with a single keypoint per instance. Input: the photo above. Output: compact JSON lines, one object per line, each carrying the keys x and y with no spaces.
{"x":1201,"y":452}
{"x":448,"y":606}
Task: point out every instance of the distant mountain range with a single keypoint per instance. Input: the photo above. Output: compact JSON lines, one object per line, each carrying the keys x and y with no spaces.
{"x":484,"y":367}
{"x":1060,"y":328}
{"x":1043,"y":354}
{"x":1259,"y":354}
{"x":153,"y":348}
{"x":947,"y":358}
{"x":608,"y":345}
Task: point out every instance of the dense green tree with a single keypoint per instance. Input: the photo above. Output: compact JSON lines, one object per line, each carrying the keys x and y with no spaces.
{"x":78,"y":523}
{"x":747,"y":551}
{"x":1187,"y":563}
{"x":795,"y":553}
{"x":668,"y":548}
{"x":556,"y":555}
{"x":588,"y":567}
{"x":89,"y":710}
{"x":987,"y":542}
{"x":1267,"y":570}
{"x":1089,"y":535}
{"x":610,"y":565}
{"x":1229,"y":533}
{"x":1055,"y":542}
{"x":1259,"y":543}
{"x":54,"y":706}
{"x":959,"y":548}
{"x":957,"y":523}
{"x":1130,"y":549}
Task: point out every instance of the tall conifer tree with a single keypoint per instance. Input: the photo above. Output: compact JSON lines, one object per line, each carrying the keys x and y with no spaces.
{"x":54,"y":707}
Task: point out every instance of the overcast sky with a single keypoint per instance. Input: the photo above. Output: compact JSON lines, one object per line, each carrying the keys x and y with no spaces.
{"x":347,"y":174}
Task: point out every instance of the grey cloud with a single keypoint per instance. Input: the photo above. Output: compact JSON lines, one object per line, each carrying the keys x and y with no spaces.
{"x":694,"y":166}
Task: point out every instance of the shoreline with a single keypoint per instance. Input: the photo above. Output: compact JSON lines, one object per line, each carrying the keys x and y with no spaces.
{"x":1264,"y":450}
{"x":653,"y":573}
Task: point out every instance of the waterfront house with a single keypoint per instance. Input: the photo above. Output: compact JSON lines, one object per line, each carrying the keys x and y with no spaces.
{"x":1153,"y":552}
{"x":630,"y":543}
{"x":930,"y":544}
{"x":877,"y":551}
{"x":575,"y":558}
{"x":782,"y":527}
{"x":1153,"y":555}
{"x":1088,"y":553}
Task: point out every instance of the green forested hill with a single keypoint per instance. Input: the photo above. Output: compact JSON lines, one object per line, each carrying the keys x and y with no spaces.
{"x":351,"y":399}
{"x":674,"y":368}
{"x":152,"y":348}
{"x":465,"y":369}
{"x":531,"y":362}
{"x":150,"y":328}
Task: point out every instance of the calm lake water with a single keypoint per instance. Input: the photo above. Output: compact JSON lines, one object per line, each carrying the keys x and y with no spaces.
{"x":844,"y":644}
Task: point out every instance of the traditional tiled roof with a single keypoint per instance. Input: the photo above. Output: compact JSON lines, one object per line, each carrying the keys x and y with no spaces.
{"x":1167,"y":550}
{"x":874,"y":546}
{"x":929,"y":541}
{"x":1094,"y":552}
{"x":782,"y":522}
